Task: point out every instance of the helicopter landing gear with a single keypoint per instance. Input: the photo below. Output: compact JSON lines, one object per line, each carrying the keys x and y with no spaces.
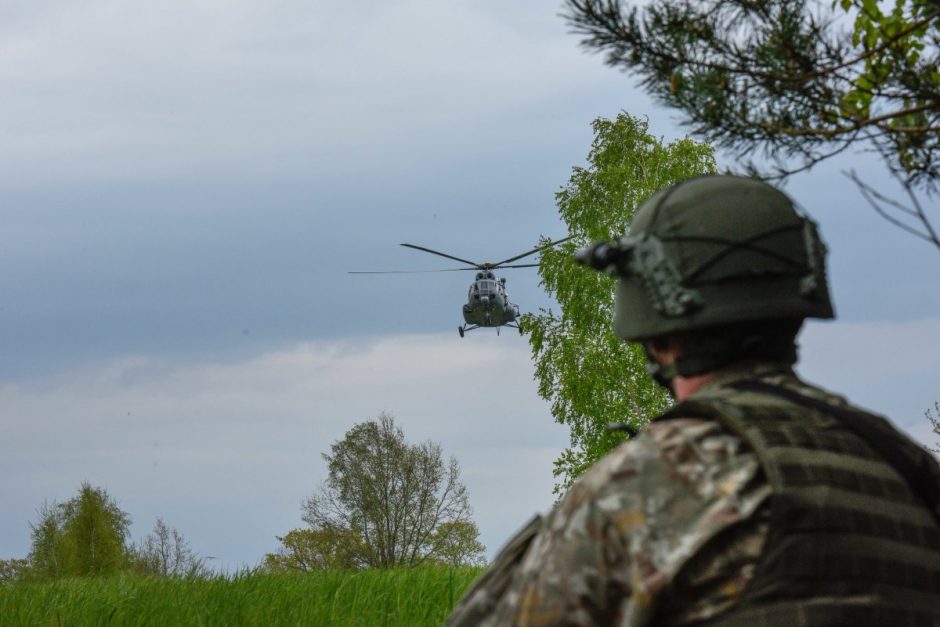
{"x":463,"y":329}
{"x":514,"y":326}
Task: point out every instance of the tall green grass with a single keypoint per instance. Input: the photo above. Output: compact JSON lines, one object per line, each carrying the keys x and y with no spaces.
{"x":421,"y":596}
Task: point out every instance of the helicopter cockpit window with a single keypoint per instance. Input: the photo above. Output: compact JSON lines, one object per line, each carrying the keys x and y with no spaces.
{"x":487,"y":286}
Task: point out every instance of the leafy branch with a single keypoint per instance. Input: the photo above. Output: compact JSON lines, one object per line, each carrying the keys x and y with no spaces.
{"x":788,"y":81}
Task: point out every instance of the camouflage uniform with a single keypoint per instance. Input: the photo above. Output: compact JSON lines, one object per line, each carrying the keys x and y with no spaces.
{"x":666,"y":530}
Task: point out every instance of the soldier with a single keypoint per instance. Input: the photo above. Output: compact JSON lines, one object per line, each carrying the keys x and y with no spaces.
{"x":759,"y":499}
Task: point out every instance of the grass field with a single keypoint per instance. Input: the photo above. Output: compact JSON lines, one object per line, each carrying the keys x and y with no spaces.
{"x":421,"y":596}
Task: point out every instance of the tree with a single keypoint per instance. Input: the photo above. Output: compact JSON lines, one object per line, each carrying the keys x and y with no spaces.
{"x":14,"y":570}
{"x":458,"y":544}
{"x":788,"y":76}
{"x":95,"y":532}
{"x":46,"y":556}
{"x":166,"y":553}
{"x":86,"y":535}
{"x":590,"y":376}
{"x":307,"y":550}
{"x":934,"y":419}
{"x":390,"y":497}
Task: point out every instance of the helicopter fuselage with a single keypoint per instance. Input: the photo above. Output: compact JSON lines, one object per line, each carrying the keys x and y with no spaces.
{"x":488,"y":302}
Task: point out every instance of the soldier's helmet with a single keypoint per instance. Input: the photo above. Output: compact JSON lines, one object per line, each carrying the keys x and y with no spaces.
{"x":710,"y":251}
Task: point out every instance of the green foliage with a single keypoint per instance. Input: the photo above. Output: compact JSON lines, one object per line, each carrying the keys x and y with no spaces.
{"x":894,"y":50}
{"x":14,"y":570}
{"x":387,"y":499}
{"x":934,"y":418}
{"x":457,"y":543}
{"x":786,"y":75}
{"x":46,"y":556}
{"x":164,"y":552}
{"x":409,"y":597}
{"x":308,"y":550}
{"x":591,"y":377}
{"x":86,"y":535}
{"x":94,"y":533}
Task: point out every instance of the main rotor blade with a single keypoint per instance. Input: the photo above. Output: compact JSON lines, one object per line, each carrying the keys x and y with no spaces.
{"x":409,"y":271}
{"x":520,"y":265}
{"x":434,"y":252}
{"x":531,"y":252}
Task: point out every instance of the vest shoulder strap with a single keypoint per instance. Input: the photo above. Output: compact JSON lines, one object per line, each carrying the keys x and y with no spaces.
{"x":918,"y":467}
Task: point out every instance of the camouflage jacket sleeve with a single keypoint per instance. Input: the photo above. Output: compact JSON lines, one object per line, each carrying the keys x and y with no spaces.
{"x":670,"y":523}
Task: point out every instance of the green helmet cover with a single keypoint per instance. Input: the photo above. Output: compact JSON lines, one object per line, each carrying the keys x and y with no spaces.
{"x":714,"y":250}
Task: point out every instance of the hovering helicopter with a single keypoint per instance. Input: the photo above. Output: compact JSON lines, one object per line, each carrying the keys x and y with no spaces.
{"x":488,"y":302}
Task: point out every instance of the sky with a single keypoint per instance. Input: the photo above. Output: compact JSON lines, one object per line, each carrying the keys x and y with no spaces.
{"x":185,"y":185}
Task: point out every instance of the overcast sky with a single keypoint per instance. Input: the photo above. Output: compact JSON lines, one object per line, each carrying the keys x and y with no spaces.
{"x":184,"y":185}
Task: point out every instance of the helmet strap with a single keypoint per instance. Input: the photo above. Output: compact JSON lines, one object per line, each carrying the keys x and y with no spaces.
{"x":662,"y":374}
{"x":686,"y":366}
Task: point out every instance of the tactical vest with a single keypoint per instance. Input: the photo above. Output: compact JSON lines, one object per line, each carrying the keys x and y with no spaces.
{"x":854,"y":535}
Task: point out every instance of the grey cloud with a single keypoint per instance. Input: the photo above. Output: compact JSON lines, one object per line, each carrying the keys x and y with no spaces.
{"x":123,"y":91}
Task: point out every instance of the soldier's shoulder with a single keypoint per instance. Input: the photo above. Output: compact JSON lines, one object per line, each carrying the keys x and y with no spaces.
{"x":735,"y":388}
{"x":673,"y":447}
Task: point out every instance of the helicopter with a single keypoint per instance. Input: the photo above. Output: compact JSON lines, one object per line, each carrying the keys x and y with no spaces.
{"x":488,"y":303}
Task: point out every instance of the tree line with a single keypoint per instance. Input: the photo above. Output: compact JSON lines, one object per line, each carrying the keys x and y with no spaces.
{"x":89,"y":535}
{"x":386,"y":503}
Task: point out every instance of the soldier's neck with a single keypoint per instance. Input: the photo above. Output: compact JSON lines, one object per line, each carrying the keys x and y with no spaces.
{"x":683,"y":387}
{"x":666,"y":351}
